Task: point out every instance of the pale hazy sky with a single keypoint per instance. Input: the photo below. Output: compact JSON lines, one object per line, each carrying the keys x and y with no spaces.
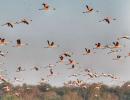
{"x":69,"y":28}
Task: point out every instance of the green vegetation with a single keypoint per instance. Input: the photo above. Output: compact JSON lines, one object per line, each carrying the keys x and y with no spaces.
{"x":46,"y":92}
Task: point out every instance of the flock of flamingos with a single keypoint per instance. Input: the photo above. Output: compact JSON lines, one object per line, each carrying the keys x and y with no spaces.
{"x":66,"y":57}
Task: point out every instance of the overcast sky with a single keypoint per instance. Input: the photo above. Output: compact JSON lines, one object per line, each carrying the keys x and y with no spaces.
{"x":71,"y":29}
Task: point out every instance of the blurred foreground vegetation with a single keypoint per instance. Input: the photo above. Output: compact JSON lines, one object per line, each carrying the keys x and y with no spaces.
{"x":47,"y":92}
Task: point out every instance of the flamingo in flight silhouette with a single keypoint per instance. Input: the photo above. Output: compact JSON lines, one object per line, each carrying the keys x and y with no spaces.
{"x":25,"y":21}
{"x":9,"y":24}
{"x":51,"y":44}
{"x":19,"y":44}
{"x":108,"y":20}
{"x":46,"y":7}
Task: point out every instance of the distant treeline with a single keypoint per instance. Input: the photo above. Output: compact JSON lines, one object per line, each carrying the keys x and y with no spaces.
{"x":44,"y":91}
